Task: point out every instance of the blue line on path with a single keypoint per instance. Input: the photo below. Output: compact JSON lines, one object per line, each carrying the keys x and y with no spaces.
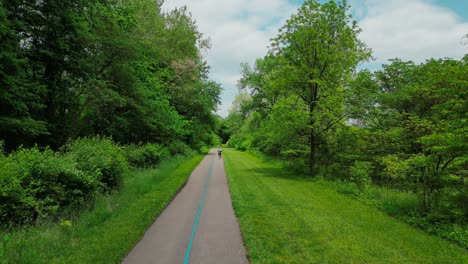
{"x":197,"y":217}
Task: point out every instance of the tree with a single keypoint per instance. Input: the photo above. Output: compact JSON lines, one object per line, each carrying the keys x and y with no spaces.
{"x":117,"y":68}
{"x":317,"y":50}
{"x":19,"y":98}
{"x":412,"y":120}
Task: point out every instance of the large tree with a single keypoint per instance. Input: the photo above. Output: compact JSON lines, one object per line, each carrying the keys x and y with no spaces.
{"x":20,"y":98}
{"x":317,"y":50}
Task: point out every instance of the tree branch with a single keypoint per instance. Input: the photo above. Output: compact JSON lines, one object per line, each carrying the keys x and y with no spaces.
{"x":448,"y":162}
{"x":330,"y":125}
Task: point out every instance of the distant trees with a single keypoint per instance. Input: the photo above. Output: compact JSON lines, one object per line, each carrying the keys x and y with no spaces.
{"x":112,"y":68}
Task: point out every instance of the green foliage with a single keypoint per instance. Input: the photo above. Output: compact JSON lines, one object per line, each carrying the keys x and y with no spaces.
{"x":99,"y":156}
{"x":317,"y":67}
{"x":407,"y":123}
{"x":178,"y":148}
{"x":223,"y":130}
{"x":215,"y":140}
{"x":124,"y":69}
{"x":360,"y":174}
{"x":297,"y":89}
{"x":240,"y":143}
{"x":37,"y":185}
{"x":106,"y":232}
{"x":40,"y":185}
{"x":146,"y":155}
{"x":17,"y":96}
{"x":395,"y":172}
{"x":394,"y":168}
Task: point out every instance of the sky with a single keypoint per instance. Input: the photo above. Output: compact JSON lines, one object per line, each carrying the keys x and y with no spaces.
{"x":240,"y":31}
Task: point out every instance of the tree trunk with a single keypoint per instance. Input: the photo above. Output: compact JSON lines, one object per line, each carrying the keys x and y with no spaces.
{"x":312,"y":136}
{"x":312,"y":152}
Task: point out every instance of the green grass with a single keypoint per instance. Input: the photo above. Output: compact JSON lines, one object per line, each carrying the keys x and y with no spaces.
{"x":289,"y":219}
{"x":404,"y":205}
{"x":109,"y":231}
{"x":394,"y":202}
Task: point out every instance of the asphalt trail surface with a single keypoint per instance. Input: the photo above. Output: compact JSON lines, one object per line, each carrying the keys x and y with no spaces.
{"x":198,"y":226}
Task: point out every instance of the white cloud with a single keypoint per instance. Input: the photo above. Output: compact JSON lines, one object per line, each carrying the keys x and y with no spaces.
{"x":412,"y":30}
{"x":240,"y":31}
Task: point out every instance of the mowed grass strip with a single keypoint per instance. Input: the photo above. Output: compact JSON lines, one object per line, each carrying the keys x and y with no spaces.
{"x":289,"y":219}
{"x":109,"y":231}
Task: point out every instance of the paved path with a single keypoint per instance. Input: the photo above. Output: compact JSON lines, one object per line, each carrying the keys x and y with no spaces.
{"x":198,"y":226}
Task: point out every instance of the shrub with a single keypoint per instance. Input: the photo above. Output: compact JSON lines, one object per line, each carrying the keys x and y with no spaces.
{"x":245,"y":145}
{"x":239,"y":143}
{"x":360,"y":174}
{"x":296,"y":160}
{"x":395,"y":169}
{"x":101,"y":156}
{"x":178,"y":148}
{"x":146,"y":155}
{"x":215,"y":140}
{"x":235,"y":141}
{"x":35,"y":185}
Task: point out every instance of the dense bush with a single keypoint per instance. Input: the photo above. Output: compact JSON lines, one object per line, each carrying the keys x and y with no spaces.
{"x":146,"y":155}
{"x":239,"y":143}
{"x":179,"y":148}
{"x":215,"y":140}
{"x":101,"y":156}
{"x":360,"y":174}
{"x":35,"y":185}
{"x":295,"y":160}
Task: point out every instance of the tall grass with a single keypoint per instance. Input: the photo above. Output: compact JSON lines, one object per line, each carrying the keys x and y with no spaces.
{"x":106,"y":232}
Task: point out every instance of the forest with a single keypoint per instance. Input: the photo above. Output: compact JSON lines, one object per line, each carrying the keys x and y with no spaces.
{"x":403,"y":127}
{"x":89,"y":89}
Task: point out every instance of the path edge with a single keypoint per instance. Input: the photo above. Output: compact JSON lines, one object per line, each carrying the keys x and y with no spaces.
{"x":235,"y":214}
{"x":162,"y":210}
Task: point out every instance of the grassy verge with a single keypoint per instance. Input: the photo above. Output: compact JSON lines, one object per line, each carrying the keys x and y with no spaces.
{"x":109,"y":231}
{"x":402,"y":205}
{"x":288,"y":219}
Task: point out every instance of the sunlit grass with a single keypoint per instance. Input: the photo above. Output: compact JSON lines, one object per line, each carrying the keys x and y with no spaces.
{"x":107,"y":232}
{"x":290,"y":219}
